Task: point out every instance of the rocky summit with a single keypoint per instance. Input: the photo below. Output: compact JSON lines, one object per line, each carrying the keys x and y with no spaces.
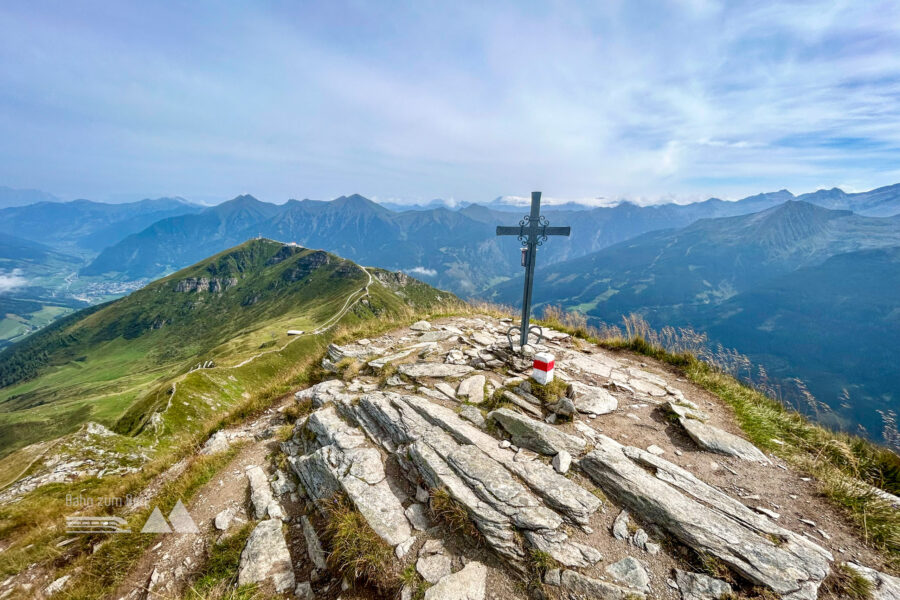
{"x":618,"y":480}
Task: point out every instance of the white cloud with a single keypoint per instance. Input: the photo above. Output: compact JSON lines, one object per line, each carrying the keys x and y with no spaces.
{"x":463,"y":101}
{"x":11,"y":280}
{"x":422,"y":272}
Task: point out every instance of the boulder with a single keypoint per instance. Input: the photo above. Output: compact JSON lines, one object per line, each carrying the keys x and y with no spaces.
{"x":562,"y":461}
{"x":466,"y":584}
{"x":630,"y":572}
{"x":715,"y":440}
{"x":590,"y":399}
{"x":266,"y":556}
{"x":218,"y":442}
{"x":793,"y":568}
{"x":472,"y":414}
{"x":421,"y":326}
{"x":536,"y":435}
{"x":686,"y":409}
{"x":472,"y":389}
{"x":696,"y":586}
{"x":433,"y":568}
{"x":417,"y":514}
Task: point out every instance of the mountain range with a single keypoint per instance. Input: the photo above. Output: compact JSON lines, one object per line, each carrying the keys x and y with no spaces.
{"x":803,"y":290}
{"x":707,"y":265}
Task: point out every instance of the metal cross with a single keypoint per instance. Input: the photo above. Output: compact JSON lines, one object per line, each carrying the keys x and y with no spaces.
{"x":532,"y":231}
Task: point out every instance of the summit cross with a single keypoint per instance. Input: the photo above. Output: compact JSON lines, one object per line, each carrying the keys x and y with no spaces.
{"x":532,"y":231}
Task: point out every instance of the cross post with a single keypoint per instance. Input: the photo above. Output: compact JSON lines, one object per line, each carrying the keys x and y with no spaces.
{"x":532,"y":231}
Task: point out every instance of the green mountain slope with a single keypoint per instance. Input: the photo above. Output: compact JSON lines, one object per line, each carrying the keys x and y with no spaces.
{"x":832,"y":325}
{"x":97,"y":363}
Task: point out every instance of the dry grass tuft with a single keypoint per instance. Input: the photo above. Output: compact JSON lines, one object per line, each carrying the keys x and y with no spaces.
{"x":357,"y":552}
{"x":454,"y":515}
{"x":845,"y":583}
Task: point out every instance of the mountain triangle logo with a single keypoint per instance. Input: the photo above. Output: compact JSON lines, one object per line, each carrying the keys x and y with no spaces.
{"x":180,"y":519}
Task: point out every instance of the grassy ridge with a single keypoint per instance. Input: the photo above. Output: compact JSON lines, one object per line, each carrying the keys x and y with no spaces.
{"x":110,"y":361}
{"x":205,"y":401}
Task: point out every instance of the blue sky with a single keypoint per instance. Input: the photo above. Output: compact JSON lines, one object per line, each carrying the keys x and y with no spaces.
{"x":407,"y":102}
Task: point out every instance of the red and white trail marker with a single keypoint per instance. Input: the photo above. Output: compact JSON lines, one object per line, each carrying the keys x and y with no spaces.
{"x":543,"y":368}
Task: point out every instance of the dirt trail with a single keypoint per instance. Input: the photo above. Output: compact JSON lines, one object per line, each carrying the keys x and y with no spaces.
{"x":164,"y":569}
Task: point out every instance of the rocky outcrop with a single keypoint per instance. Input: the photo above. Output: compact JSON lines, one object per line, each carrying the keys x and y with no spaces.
{"x":261,"y":497}
{"x":715,"y":440}
{"x":345,"y":462}
{"x":792,"y":568}
{"x":266,"y":557}
{"x":466,"y":584}
{"x":536,"y":435}
{"x":213,"y":285}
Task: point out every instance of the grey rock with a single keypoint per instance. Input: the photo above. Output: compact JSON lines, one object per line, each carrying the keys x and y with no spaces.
{"x":218,"y":442}
{"x":580,"y":586}
{"x":323,"y":393}
{"x":381,"y":362}
{"x":264,"y":503}
{"x":620,"y":526}
{"x":466,"y":584}
{"x":560,"y":493}
{"x":562,"y":461}
{"x":266,"y":556}
{"x":224,"y":519}
{"x":431,"y":369}
{"x":686,"y":409}
{"x":436,"y":336}
{"x":346,"y":463}
{"x":313,"y":545}
{"x":472,"y":414}
{"x":640,"y":539}
{"x":715,"y":440}
{"x":418,"y":516}
{"x":422,"y":495}
{"x":421,"y":326}
{"x":435,"y":567}
{"x":446,"y":389}
{"x":563,"y":407}
{"x":592,"y":399}
{"x":696,"y":586}
{"x":403,"y":548}
{"x":646,"y":387}
{"x":536,"y":435}
{"x":432,"y":546}
{"x":57,"y":585}
{"x":281,"y":484}
{"x":304,"y":591}
{"x":472,"y":389}
{"x":521,"y":403}
{"x":736,"y":536}
{"x":630,"y":572}
{"x":553,"y":577}
{"x":884,"y":586}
